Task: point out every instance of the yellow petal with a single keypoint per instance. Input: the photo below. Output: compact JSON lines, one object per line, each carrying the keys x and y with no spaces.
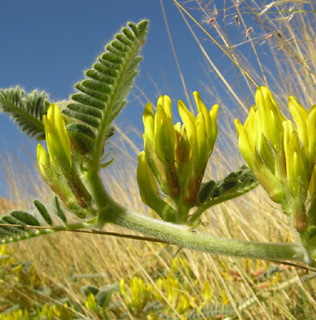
{"x":188,"y":120}
{"x":214,"y":129}
{"x":300,"y":116}
{"x":270,"y":117}
{"x":252,"y":126}
{"x":57,"y":138}
{"x":165,"y":102}
{"x":312,"y":184}
{"x":159,"y":134}
{"x":202,"y":142}
{"x":267,"y":154}
{"x":148,"y":186}
{"x":288,"y":128}
{"x":311,"y":131}
{"x":165,"y":137}
{"x":296,"y":165}
{"x":42,"y":160}
{"x":246,"y":149}
{"x":202,"y":109}
{"x":62,"y":131}
{"x":148,"y":120}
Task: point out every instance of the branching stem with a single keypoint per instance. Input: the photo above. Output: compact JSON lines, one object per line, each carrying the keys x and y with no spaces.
{"x":183,"y":236}
{"x":186,"y":238}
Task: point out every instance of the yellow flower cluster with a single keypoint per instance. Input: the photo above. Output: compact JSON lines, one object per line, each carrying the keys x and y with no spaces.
{"x":281,"y":155}
{"x":175,"y":156}
{"x":56,"y":166}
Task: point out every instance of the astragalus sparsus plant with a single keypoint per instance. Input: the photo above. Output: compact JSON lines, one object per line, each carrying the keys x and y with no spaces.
{"x":181,"y":197}
{"x":171,"y":169}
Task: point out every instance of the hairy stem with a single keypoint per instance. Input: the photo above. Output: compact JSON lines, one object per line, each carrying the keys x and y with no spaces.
{"x":106,"y":205}
{"x":186,"y":238}
{"x":183,"y":236}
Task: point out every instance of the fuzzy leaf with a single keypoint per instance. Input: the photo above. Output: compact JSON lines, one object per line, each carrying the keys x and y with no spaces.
{"x":25,"y":218}
{"x":11,"y":232}
{"x":26,"y":110}
{"x":102,"y":94}
{"x":58,"y":210}
{"x":17,"y":225}
{"x":43,"y":212}
{"x":234,"y":185}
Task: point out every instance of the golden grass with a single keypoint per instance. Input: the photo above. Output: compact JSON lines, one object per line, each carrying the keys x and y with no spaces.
{"x":71,"y":260}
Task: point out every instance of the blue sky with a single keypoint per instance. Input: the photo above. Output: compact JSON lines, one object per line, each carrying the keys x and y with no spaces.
{"x":47,"y":45}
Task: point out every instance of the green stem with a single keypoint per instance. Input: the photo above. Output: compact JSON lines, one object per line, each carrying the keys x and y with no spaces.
{"x":184,"y":237}
{"x":42,"y":231}
{"x":106,"y":205}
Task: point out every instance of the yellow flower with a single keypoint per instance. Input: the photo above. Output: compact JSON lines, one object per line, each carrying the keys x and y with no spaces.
{"x":177,"y":154}
{"x":281,"y":154}
{"x":149,"y":190}
{"x":57,"y":139}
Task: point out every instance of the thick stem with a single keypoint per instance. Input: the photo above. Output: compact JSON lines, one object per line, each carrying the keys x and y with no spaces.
{"x":184,"y":237}
{"x":106,"y":205}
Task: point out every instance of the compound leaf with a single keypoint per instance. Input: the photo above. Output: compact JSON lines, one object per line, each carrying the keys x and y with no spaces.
{"x":102,"y":94}
{"x":26,"y":110}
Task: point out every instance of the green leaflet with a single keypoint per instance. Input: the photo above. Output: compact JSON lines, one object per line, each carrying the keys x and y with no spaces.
{"x":102,"y":94}
{"x":43,"y":212}
{"x":212,"y":193}
{"x":26,"y":110}
{"x":234,"y":185}
{"x":58,"y":210}
{"x":17,"y":225}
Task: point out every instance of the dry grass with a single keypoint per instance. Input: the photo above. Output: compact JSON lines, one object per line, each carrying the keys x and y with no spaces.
{"x":72,"y":260}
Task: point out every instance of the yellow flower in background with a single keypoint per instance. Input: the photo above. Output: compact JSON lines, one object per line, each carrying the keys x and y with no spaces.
{"x":57,"y":139}
{"x":177,"y":154}
{"x":281,"y":154}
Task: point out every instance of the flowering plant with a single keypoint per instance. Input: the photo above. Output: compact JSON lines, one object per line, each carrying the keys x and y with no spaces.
{"x":170,"y":174}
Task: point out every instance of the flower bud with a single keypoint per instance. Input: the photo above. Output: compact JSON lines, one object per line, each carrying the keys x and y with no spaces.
{"x":149,"y":190}
{"x":44,"y":163}
{"x":57,"y":183}
{"x":57,"y":139}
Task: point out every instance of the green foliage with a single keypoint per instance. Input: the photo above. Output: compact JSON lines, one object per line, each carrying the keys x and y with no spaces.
{"x":26,"y":110}
{"x":43,"y":212}
{"x":25,"y":295}
{"x":102,"y":94}
{"x":58,"y":210}
{"x":212,"y":193}
{"x":234,"y":185}
{"x":21,"y":225}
